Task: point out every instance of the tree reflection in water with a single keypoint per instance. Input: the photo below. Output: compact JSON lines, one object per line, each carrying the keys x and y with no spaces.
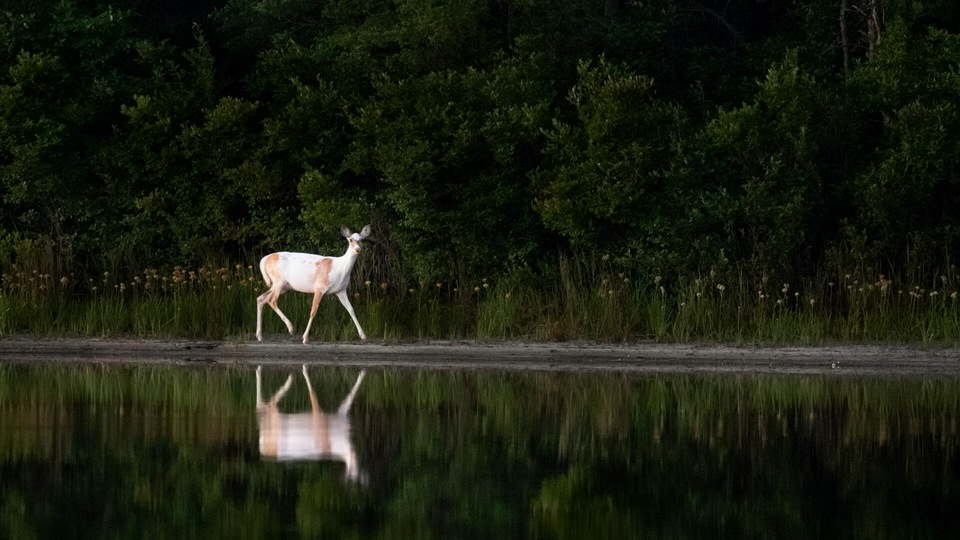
{"x":99,"y":451}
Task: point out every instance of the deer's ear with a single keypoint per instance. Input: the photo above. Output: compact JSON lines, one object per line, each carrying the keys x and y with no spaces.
{"x":345,"y":231}
{"x":365,"y":232}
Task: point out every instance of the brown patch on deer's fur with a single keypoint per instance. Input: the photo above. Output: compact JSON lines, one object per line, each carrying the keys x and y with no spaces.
{"x":324,"y":266}
{"x":271,"y":268}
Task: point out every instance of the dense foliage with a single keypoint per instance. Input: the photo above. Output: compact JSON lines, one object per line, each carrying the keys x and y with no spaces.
{"x":481,"y":135}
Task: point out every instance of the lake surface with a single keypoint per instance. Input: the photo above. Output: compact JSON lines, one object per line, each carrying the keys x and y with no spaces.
{"x":95,"y":451}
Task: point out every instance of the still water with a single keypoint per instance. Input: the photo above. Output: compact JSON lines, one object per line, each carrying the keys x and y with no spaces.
{"x":229,"y":452}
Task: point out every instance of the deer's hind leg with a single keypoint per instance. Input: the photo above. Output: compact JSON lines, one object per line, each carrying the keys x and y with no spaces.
{"x":270,"y":298}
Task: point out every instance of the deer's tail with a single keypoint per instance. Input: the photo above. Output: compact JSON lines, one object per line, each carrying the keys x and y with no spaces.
{"x":263,"y":271}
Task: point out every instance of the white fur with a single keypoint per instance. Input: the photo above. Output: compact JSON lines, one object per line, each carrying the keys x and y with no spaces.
{"x":308,"y":273}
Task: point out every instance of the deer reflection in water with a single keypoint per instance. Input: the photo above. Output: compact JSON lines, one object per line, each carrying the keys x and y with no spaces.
{"x":313,"y":435}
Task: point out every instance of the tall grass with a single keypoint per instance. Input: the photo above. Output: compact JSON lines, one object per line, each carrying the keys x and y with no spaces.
{"x":581,"y":299}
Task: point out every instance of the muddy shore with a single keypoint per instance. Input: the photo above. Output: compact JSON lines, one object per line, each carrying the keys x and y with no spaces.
{"x":842,"y":360}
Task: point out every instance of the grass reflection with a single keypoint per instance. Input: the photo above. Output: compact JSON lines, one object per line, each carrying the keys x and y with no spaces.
{"x":109,"y":451}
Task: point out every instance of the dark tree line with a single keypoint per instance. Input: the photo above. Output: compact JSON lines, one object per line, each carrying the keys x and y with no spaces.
{"x":479,"y":135}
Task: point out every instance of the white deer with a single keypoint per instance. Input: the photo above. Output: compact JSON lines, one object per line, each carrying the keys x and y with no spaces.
{"x":308,"y":273}
{"x":307,"y":436}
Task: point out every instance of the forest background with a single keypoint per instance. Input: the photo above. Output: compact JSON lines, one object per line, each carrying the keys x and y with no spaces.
{"x":486,"y":139}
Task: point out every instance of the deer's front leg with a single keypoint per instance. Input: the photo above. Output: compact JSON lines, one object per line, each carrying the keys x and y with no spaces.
{"x":313,"y":313}
{"x":345,"y":300}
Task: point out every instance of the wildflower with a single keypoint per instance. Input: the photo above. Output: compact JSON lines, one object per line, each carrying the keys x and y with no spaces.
{"x":383,"y":286}
{"x":439,"y":285}
{"x":812,"y":302}
{"x":953,"y":295}
{"x":605,"y":258}
{"x":508,"y":296}
{"x":367,"y":283}
{"x":64,"y":281}
{"x":356,"y":296}
{"x":411,"y":290}
{"x":476,"y":289}
{"x":721,"y":287}
{"x":486,"y":285}
{"x":943,"y":279}
{"x":656,"y":280}
{"x":786,"y":287}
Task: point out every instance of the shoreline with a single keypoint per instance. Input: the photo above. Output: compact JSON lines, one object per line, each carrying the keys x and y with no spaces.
{"x":577,"y":357}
